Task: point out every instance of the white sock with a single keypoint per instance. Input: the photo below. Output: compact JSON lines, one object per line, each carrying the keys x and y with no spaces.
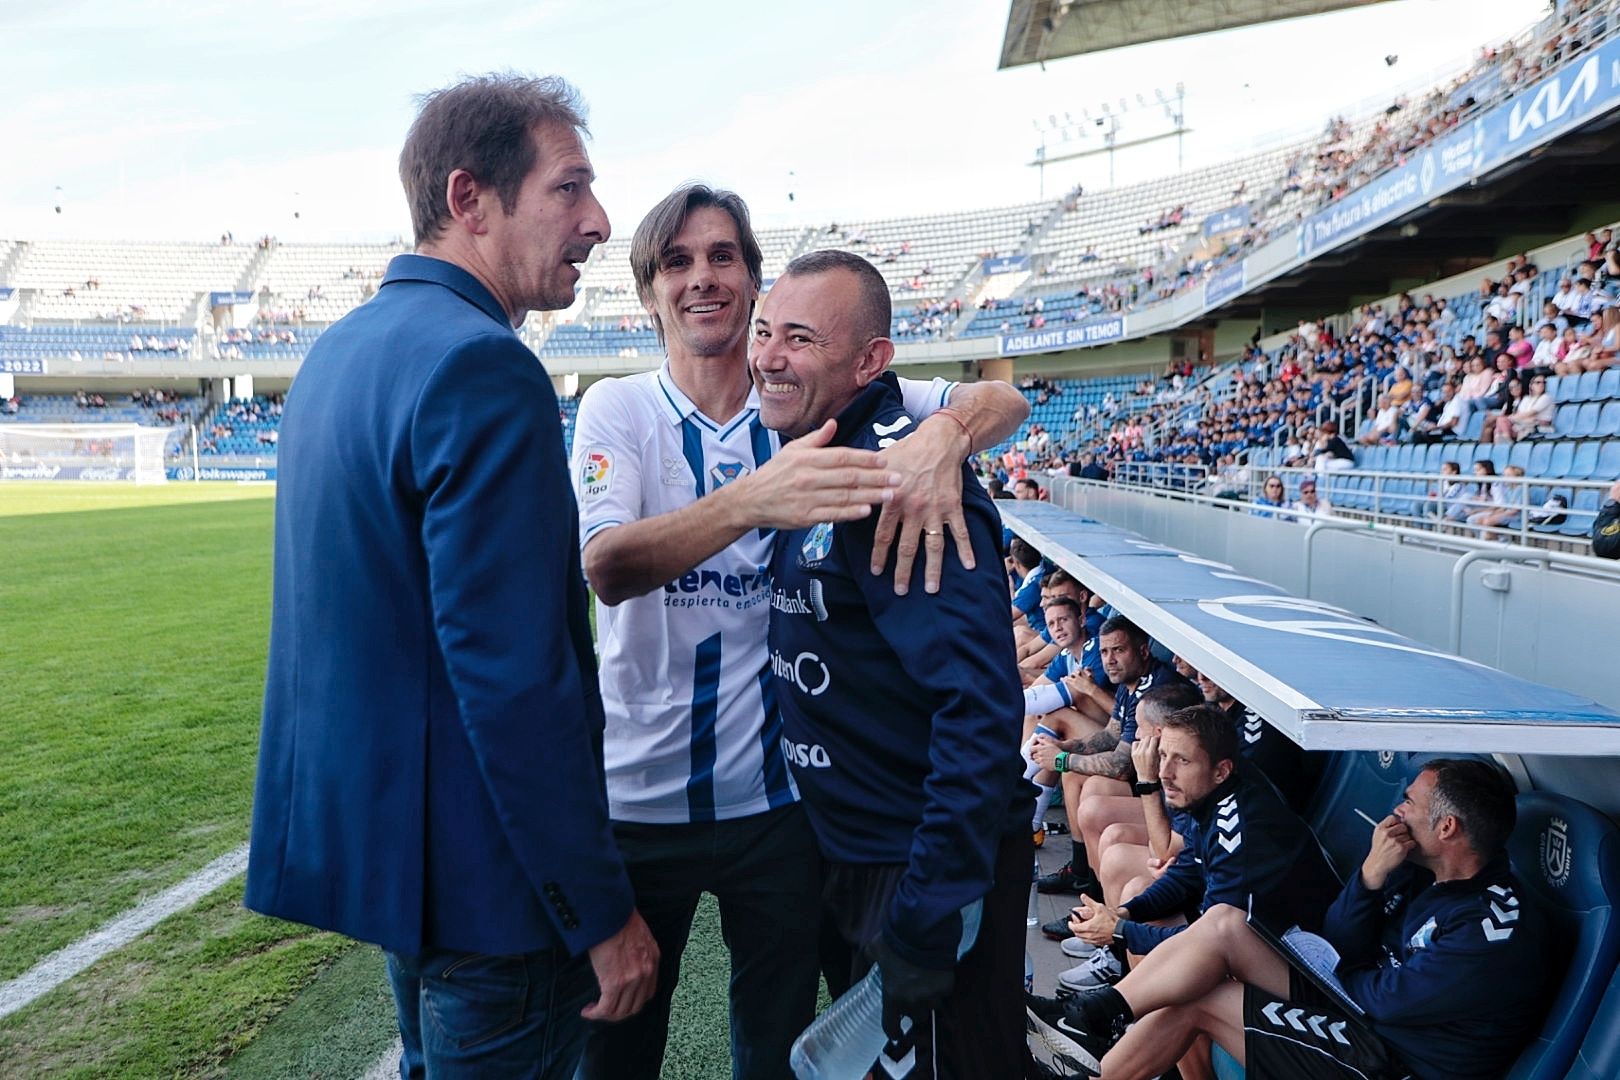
{"x":1031,"y":766}
{"x":1043,"y":802}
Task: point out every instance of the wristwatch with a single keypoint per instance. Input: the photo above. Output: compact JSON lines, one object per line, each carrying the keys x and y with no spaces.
{"x":1149,"y":787}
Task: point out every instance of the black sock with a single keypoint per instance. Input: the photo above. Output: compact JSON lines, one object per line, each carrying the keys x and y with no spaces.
{"x":1110,"y":998}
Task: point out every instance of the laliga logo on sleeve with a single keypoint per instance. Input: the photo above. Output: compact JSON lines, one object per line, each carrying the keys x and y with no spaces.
{"x":817,"y":545}
{"x":1386,"y":758}
{"x":594,"y":469}
{"x":1556,"y":856}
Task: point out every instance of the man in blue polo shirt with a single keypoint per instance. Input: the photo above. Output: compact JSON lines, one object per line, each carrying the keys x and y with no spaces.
{"x":912,"y":784}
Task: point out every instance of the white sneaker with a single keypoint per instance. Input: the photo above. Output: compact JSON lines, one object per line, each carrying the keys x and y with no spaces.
{"x":1078,"y":949}
{"x":1101,"y":968}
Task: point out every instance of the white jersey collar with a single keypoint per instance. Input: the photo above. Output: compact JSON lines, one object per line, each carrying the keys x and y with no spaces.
{"x":676,"y":406}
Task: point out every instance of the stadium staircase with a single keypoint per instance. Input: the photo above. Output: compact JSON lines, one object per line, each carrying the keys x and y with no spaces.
{"x":253,"y":273}
{"x":13,"y":256}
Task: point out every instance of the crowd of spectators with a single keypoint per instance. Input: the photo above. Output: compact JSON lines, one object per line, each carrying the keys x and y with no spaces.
{"x":1348,"y":157}
{"x":260,"y":413}
{"x":931,"y":318}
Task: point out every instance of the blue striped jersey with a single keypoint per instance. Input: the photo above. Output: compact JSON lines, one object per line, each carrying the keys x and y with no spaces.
{"x":693,"y":731}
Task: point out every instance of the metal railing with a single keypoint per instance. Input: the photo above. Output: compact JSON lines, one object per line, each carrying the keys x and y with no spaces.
{"x":1407,"y":500}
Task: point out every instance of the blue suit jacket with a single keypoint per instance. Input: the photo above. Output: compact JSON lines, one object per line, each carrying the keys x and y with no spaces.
{"x":430,"y":765}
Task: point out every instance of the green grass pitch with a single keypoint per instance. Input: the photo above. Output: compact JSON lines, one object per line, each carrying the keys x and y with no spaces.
{"x":131,"y":672}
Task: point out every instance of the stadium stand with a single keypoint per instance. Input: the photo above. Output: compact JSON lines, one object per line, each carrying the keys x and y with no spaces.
{"x":96,"y":341}
{"x":1086,"y":252}
{"x":152,"y":408}
{"x":241,"y":427}
{"x":124,"y":282}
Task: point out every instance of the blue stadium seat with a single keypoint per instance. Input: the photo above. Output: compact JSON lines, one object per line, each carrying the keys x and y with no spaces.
{"x":1586,"y":389}
{"x":1561,"y":388}
{"x":1519,"y":454}
{"x":1569,"y":458}
{"x":1476,"y":424}
{"x":1499,"y":455}
{"x":1609,"y":384}
{"x":1451,"y":451}
{"x":1586,"y":421}
{"x":1609,"y":420}
{"x":1569,"y":498}
{"x":1431,"y":459}
{"x":1357,"y":789}
{"x":1599,"y":1056}
{"x":1567,"y":856}
{"x":1608,"y":462}
{"x":1564,"y":420}
{"x":1585,"y":507}
{"x":1539,"y":460}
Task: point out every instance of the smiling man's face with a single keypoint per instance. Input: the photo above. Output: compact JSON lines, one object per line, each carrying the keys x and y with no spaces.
{"x":809,"y":354}
{"x":702,"y":293}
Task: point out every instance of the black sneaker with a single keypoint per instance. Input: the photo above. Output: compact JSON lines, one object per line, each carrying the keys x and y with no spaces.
{"x":1057,"y":929}
{"x":1067,"y":880}
{"x":1054,"y":1055}
{"x":1085,"y":1018}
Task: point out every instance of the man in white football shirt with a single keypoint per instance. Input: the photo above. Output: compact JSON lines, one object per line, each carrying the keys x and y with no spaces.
{"x":680,"y":488}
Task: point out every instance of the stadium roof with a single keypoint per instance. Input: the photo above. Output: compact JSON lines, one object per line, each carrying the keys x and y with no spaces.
{"x":1041,"y":30}
{"x":1327,"y":678}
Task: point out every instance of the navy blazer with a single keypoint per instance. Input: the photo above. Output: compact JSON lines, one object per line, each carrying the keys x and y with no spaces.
{"x":430,"y":764}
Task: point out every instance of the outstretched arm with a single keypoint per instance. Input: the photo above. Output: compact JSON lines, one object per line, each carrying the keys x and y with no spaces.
{"x":806,"y":483}
{"x":929,"y":499}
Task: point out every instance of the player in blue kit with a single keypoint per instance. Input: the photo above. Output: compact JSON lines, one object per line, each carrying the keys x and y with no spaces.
{"x":679,"y":487}
{"x":912,"y":784}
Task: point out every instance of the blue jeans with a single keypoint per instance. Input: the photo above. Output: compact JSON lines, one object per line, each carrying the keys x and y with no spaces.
{"x":469,"y":1015}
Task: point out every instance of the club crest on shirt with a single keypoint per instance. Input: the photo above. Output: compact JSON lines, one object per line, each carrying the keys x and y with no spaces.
{"x":725,"y":472}
{"x":817,"y":544}
{"x":594,"y":469}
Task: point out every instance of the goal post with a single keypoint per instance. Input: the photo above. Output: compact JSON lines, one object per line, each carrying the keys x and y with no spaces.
{"x":89,"y":452}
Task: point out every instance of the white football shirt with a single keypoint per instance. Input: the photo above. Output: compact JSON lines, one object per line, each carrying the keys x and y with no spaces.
{"x":693,"y":732}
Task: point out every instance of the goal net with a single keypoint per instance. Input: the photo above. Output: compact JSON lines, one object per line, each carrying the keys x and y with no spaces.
{"x":83,"y":452}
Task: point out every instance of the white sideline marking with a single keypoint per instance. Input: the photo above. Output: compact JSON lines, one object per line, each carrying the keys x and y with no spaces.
{"x":387,"y":1066}
{"x":67,"y":962}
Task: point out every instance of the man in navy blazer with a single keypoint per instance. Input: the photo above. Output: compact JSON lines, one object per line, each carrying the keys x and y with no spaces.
{"x":430,"y":767}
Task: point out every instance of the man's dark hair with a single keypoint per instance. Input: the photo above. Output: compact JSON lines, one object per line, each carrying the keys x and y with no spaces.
{"x":484,"y":125}
{"x":1066,"y":602}
{"x":1119,"y":624}
{"x":872,"y":317}
{"x":1058,"y":577}
{"x":1172,"y":697}
{"x":1024,"y":481}
{"x":1210,"y":726}
{"x":1023,"y":553}
{"x":996,"y":488}
{"x":664,"y":222}
{"x":1480,"y":796}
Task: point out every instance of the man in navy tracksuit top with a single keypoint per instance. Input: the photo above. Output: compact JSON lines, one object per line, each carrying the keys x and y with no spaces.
{"x":1439,"y":961}
{"x":1241,"y":844}
{"x":901,"y":713}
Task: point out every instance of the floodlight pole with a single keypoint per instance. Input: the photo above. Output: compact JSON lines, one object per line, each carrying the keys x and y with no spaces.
{"x":1175,"y":111}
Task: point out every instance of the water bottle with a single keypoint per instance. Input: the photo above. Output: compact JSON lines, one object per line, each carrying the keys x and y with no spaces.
{"x":1034,"y":896}
{"x":842,"y":1042}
